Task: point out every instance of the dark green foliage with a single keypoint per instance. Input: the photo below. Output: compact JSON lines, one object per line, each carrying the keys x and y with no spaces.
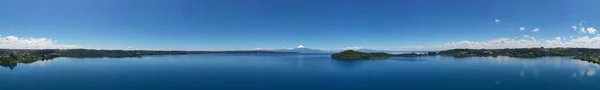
{"x":431,"y":53}
{"x":589,"y":58}
{"x":11,"y":57}
{"x":355,"y":55}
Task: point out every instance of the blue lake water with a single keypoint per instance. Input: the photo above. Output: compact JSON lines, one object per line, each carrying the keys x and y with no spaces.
{"x":301,"y":72}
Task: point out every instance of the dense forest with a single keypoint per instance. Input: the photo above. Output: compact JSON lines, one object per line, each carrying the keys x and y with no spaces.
{"x":11,"y":57}
{"x":355,"y":55}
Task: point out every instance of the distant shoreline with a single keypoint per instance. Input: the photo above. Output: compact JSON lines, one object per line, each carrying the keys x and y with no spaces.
{"x":584,"y":54}
{"x":11,"y":57}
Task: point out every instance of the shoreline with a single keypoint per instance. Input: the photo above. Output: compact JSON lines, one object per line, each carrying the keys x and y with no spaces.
{"x":583,"y":54}
{"x":11,"y":57}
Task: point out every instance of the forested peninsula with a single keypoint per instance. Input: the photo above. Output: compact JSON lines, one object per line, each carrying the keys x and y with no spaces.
{"x":585,"y":54}
{"x":11,"y":57}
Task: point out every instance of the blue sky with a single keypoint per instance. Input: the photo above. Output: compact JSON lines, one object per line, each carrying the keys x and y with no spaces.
{"x":249,"y":24}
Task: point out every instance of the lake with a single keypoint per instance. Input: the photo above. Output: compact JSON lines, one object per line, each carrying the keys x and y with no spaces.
{"x":301,"y":72}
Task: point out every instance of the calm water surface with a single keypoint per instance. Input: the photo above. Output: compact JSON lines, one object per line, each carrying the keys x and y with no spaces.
{"x":301,"y":72}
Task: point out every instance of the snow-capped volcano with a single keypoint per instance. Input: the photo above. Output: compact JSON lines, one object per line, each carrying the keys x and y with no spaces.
{"x":302,"y":49}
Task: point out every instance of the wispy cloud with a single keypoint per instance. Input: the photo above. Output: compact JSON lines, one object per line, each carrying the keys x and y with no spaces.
{"x":582,"y":30}
{"x":522,"y":28}
{"x":353,"y":48}
{"x":529,"y":37}
{"x":535,"y":30}
{"x":497,"y":21}
{"x":13,"y":42}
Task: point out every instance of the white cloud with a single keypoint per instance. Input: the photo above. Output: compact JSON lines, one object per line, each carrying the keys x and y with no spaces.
{"x":522,"y":28}
{"x":591,"y":30}
{"x":535,"y":30}
{"x":497,"y":21}
{"x":582,"y":30}
{"x":528,"y":36}
{"x":528,"y":42}
{"x":13,"y":42}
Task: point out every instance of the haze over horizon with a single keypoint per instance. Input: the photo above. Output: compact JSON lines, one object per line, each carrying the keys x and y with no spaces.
{"x":403,"y":25}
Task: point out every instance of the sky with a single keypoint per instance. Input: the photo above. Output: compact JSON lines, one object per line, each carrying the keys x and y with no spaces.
{"x":274,"y":24}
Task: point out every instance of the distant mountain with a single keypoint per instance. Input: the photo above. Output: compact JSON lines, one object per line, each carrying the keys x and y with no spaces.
{"x":303,"y":50}
{"x":309,"y":50}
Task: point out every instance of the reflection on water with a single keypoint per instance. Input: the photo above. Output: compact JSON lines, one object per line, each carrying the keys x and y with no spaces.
{"x":13,"y":65}
{"x":586,"y":69}
{"x":9,"y":65}
{"x":307,"y":71}
{"x":350,"y":63}
{"x":41,"y":63}
{"x":522,"y":74}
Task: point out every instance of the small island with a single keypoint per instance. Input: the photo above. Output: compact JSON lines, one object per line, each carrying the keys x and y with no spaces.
{"x":355,"y":55}
{"x":584,"y":54}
